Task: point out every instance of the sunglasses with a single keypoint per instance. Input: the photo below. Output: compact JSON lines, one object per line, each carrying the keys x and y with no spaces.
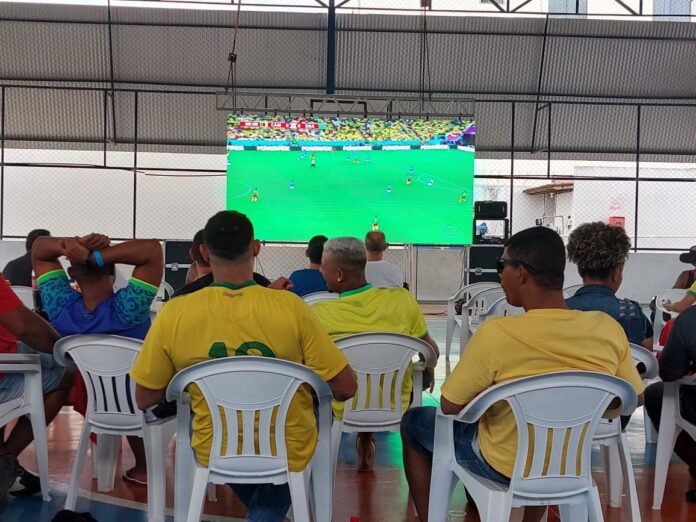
{"x":501,"y":262}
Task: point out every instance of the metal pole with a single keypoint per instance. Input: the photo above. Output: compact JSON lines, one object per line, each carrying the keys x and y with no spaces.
{"x":2,"y":160}
{"x":635,"y":210}
{"x":111,"y":73}
{"x":540,"y":81}
{"x":512,"y":166}
{"x":331,"y":48}
{"x":135,"y":165}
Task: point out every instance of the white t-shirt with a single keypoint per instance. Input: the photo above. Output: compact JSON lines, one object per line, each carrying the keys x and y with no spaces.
{"x":383,"y":274}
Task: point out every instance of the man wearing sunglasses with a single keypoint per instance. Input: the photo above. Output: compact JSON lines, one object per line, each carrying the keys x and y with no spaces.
{"x":548,"y":338}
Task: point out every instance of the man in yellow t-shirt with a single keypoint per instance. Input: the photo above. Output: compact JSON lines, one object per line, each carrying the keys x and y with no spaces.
{"x":235,"y":316}
{"x":548,"y":338}
{"x":362,"y":308}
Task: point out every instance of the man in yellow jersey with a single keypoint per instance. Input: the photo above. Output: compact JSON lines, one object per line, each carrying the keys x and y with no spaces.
{"x":362,"y":308}
{"x":235,"y":316}
{"x":548,"y":338}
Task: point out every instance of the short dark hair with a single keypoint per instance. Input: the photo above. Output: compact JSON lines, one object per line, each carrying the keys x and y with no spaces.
{"x":597,"y":249}
{"x":91,"y":271}
{"x":228,"y":235}
{"x":33,"y":236}
{"x":196,"y":249}
{"x":375,"y":241}
{"x":543,"y":253}
{"x":315,"y":248}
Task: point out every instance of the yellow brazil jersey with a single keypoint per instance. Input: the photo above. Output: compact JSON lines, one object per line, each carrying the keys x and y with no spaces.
{"x":369,"y":309}
{"x":541,"y":341}
{"x":226,"y":320}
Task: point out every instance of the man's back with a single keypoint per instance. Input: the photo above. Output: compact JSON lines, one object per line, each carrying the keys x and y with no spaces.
{"x":227,"y":320}
{"x":541,"y":341}
{"x":628,"y":313}
{"x":307,"y":281}
{"x":18,"y":271}
{"x":383,"y":274}
{"x":369,"y":309}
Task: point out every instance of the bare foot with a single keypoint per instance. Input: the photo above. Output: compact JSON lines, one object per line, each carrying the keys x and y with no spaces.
{"x":365,"y":445}
{"x":136,"y":476}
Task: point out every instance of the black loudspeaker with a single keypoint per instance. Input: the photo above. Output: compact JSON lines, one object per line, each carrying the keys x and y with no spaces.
{"x":482,"y":263}
{"x":490,"y":209}
{"x":176,"y":262}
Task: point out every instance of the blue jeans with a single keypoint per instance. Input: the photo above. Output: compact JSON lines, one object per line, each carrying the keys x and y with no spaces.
{"x":419,"y":433}
{"x":12,"y":384}
{"x":264,"y":502}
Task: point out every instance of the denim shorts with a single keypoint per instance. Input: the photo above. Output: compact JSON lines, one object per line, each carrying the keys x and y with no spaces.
{"x":264,"y":502}
{"x":12,"y":384}
{"x":419,"y":433}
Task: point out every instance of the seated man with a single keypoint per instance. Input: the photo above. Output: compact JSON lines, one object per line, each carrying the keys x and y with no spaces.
{"x":202,"y":275}
{"x":362,"y":308}
{"x":600,"y":251}
{"x":97,"y":309}
{"x":18,"y":271}
{"x":548,"y":338}
{"x":677,"y":360}
{"x":310,"y":280}
{"x":225,"y":319}
{"x":378,"y":272}
{"x":17,"y":321}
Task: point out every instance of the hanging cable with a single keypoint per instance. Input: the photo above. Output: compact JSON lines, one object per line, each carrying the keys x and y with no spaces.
{"x":232,"y":58}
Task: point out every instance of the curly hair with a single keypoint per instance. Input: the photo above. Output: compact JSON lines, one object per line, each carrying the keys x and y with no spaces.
{"x":597,"y":249}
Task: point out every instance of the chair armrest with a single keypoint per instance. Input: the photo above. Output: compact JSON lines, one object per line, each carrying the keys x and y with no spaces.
{"x":19,"y":363}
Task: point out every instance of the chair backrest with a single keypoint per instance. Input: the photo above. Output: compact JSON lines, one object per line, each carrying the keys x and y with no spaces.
{"x":501,"y":308}
{"x":466,"y":291}
{"x":104,"y":362}
{"x":165,"y":291}
{"x":557,"y":415}
{"x":249,"y":398}
{"x":569,"y":291}
{"x":25,"y":294}
{"x":645,"y":356}
{"x":480,"y":302}
{"x":380,"y":362}
{"x":317,"y":297}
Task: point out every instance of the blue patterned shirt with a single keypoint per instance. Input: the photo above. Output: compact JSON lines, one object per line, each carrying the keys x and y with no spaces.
{"x":126,"y":313}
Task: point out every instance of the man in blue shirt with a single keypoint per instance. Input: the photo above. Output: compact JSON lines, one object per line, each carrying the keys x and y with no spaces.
{"x":310,"y":280}
{"x":600,"y":251}
{"x":96,"y":309}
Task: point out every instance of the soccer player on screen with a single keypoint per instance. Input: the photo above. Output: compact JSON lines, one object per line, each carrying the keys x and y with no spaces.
{"x":313,"y":160}
{"x":389,"y":189}
{"x":255,"y":195}
{"x":292,"y":184}
{"x":375,"y":223}
{"x":409,"y":180}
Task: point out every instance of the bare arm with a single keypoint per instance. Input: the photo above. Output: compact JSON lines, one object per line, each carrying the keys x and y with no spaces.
{"x":144,"y":254}
{"x":648,"y":343}
{"x":145,"y":397}
{"x":680,"y":306}
{"x":428,"y":339}
{"x":30,"y":328}
{"x":45,"y":253}
{"x":450,"y":408}
{"x":343,"y":386}
{"x":682,"y":280}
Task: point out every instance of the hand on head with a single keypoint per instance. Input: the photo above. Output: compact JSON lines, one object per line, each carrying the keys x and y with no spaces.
{"x":78,"y":249}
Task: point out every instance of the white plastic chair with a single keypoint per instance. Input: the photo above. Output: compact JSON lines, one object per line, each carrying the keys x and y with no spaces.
{"x":26,"y":295}
{"x":501,"y":308}
{"x":618,"y":467}
{"x":104,"y":362}
{"x":569,"y":291}
{"x":674,"y":295}
{"x":562,"y":410}
{"x":671,"y":425}
{"x":30,"y":404}
{"x":453,"y":320}
{"x":244,"y":388}
{"x":318,"y":297}
{"x":165,"y":291}
{"x":379,"y":362}
{"x":479,"y":304}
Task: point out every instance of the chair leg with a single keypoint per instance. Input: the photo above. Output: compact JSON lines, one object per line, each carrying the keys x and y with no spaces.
{"x":37,"y":418}
{"x":211,"y":490}
{"x":666,"y":438}
{"x":200,"y":481}
{"x":107,"y":455}
{"x":594,"y":506}
{"x":336,"y":432}
{"x":298,"y":484}
{"x":613,"y":472}
{"x":184,"y":468}
{"x":442,"y":481}
{"x":573,"y":512}
{"x":449,"y":332}
{"x":156,"y":437}
{"x":629,"y":479}
{"x":71,"y":497}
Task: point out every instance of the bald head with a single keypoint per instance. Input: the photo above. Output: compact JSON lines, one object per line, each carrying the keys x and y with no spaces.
{"x":376,"y":242}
